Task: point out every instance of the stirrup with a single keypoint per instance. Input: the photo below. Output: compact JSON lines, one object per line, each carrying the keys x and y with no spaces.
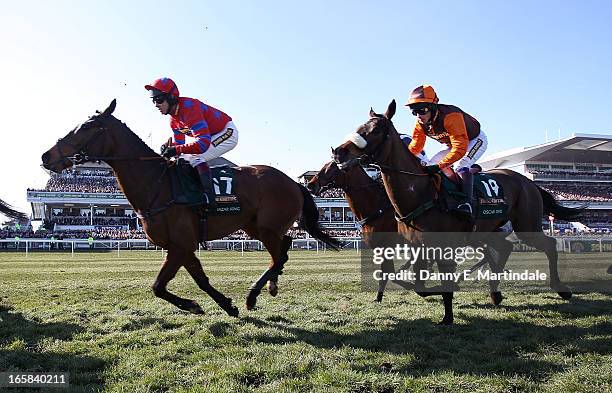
{"x":465,"y":207}
{"x":210,"y":204}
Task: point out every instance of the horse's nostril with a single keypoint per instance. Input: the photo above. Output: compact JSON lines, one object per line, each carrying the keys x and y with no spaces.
{"x":45,"y":157}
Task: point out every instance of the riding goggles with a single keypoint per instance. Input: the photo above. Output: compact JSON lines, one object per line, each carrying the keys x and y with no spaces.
{"x":420,"y":111}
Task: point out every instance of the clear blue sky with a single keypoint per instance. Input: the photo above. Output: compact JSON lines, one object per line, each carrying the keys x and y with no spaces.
{"x":298,"y":76}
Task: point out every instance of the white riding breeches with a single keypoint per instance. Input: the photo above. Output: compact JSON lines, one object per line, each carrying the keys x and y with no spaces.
{"x":220,"y":144}
{"x":475,"y":150}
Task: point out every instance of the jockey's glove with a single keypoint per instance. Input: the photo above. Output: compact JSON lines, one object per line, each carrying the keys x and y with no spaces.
{"x":165,"y":145}
{"x":170,"y":152}
{"x":431,"y":169}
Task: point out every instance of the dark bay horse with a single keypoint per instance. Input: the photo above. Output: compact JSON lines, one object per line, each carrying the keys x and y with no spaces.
{"x":409,"y":189}
{"x":270,"y":203}
{"x":369,"y":202}
{"x":10,"y":212}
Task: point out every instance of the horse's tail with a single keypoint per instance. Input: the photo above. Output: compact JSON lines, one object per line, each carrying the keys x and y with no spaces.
{"x":553,"y":208}
{"x":309,"y":220}
{"x":10,"y":212}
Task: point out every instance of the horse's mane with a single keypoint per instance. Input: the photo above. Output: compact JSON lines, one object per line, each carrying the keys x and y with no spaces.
{"x":133,"y":135}
{"x":393,"y":134}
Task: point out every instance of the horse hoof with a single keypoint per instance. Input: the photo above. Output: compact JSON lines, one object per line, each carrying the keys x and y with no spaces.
{"x":566,"y":295}
{"x":195,"y":308}
{"x":446,"y":322}
{"x":496,"y":298}
{"x":251,"y":301}
{"x":272,"y":289}
{"x":379,"y":297}
{"x":232,"y":311}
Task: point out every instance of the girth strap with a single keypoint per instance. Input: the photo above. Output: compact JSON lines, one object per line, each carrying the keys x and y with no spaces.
{"x":407,"y":219}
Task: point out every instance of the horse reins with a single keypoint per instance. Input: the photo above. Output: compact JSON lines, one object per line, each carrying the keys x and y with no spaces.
{"x":82,"y":157}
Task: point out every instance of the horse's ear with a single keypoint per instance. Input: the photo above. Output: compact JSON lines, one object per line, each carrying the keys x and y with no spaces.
{"x":372,"y":113}
{"x":111,"y":108}
{"x":390,"y":110}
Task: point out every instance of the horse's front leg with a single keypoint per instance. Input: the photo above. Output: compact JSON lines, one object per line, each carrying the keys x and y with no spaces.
{"x":194,"y":267}
{"x":448,"y":318}
{"x":448,"y":288}
{"x":168,"y":271}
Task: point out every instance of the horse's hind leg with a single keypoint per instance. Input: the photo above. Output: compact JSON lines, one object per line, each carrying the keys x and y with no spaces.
{"x":168,"y":271}
{"x":273,"y":241}
{"x":194,"y":267}
{"x":549,"y":245}
{"x":386,"y":267}
{"x":497,"y":261}
{"x":284,"y":257}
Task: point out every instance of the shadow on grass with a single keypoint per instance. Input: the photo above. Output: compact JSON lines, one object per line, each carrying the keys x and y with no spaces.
{"x":20,"y":350}
{"x":481,"y":346}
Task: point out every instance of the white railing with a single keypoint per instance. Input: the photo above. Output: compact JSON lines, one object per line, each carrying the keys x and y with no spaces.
{"x":33,"y":244}
{"x":566,"y":244}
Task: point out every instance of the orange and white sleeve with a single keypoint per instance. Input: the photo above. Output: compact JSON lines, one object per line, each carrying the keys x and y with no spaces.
{"x":418,"y":140}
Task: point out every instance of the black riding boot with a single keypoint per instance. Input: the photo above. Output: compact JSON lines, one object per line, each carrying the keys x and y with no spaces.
{"x":467,"y":186}
{"x":209,"y":192}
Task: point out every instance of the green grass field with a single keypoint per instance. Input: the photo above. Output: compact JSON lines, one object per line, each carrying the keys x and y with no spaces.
{"x":94,"y":316}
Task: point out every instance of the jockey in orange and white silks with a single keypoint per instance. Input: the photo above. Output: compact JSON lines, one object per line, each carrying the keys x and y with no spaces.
{"x":451,"y":126}
{"x":213,"y":131}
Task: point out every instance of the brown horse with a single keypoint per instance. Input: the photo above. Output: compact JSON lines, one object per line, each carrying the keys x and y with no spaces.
{"x":369,"y":202}
{"x":10,"y":212}
{"x":270,"y":203}
{"x":411,"y":192}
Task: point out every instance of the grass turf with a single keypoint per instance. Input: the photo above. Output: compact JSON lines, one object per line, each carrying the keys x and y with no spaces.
{"x":94,"y":316}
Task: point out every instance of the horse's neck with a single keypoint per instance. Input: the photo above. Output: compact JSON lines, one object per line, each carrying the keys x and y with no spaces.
{"x":137,"y":178}
{"x":363,"y":195}
{"x":406,"y":192}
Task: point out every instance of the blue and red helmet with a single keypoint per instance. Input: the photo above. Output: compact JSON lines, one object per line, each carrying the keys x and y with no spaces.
{"x":163,"y":86}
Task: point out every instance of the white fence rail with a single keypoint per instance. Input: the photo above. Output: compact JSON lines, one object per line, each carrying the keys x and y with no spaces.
{"x":567,"y":244}
{"x":75,"y":245}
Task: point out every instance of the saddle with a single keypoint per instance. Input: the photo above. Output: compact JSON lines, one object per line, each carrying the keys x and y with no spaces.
{"x":488,"y":194}
{"x":187,"y":190}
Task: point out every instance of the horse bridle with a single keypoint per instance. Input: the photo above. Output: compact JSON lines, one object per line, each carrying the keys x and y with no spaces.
{"x":368,"y":159}
{"x":366,"y":220}
{"x":82,"y":156}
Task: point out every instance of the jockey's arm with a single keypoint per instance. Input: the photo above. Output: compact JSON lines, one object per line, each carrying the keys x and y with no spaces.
{"x":418,"y":140}
{"x":178,"y":138}
{"x":201,"y":133}
{"x":457,"y":133}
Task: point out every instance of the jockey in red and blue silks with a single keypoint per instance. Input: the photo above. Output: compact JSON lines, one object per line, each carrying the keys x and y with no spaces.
{"x":213,"y":131}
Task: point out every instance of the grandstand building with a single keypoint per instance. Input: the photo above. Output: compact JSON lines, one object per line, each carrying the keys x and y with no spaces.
{"x":576,"y":170}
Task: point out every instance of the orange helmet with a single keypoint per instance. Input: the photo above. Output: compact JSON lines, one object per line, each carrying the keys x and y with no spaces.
{"x":423,"y":93}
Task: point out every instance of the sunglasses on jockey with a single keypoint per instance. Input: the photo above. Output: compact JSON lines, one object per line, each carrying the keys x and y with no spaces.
{"x":421,"y":111}
{"x":158,"y":99}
